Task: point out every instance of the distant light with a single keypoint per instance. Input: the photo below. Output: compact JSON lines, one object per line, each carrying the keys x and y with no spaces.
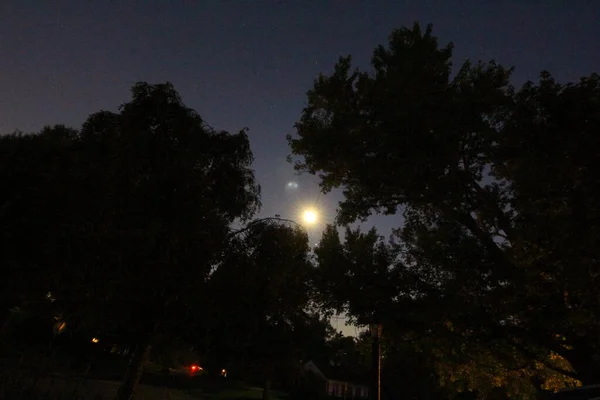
{"x":292,"y":185}
{"x":95,"y":340}
{"x":59,"y":327}
{"x":195,"y":368}
{"x":224,"y":373}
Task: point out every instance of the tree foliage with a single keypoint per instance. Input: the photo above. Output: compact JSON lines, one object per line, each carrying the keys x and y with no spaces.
{"x":123,"y":219}
{"x":262,"y":296}
{"x":497,"y":188}
{"x":356,"y":276}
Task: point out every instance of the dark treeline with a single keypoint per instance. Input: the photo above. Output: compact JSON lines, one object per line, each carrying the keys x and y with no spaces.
{"x":122,"y":231}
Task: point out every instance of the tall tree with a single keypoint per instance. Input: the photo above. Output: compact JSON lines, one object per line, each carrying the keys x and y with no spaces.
{"x":149,"y":195}
{"x":177,"y":185}
{"x":263,"y":292}
{"x":495,"y":186}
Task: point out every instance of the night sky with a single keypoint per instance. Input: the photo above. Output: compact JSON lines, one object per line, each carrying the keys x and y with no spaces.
{"x":249,"y":63}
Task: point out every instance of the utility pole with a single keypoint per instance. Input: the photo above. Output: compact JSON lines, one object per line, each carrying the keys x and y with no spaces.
{"x":375,"y":391}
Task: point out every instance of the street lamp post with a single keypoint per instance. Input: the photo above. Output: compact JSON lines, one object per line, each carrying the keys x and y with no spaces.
{"x":375,"y":392}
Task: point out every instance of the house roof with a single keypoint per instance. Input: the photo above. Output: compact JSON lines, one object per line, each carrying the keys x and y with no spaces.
{"x":339,"y":373}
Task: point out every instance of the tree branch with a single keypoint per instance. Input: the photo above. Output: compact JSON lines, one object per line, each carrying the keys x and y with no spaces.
{"x":260,"y":221}
{"x":468,"y":222}
{"x":503,"y":221}
{"x":528,"y":353}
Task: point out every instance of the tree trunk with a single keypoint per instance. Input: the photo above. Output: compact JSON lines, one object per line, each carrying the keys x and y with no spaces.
{"x":266,"y":390}
{"x":134,"y":370}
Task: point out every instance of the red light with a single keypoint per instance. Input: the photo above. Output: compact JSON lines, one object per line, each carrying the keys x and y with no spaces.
{"x":195,"y":368}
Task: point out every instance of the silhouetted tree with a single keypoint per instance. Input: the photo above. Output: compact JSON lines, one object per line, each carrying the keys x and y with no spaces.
{"x":263,"y":290}
{"x":128,"y":215}
{"x":498,"y":190}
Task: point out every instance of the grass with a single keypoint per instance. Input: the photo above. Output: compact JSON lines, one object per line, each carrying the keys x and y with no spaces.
{"x":35,"y":387}
{"x":231,"y":390}
{"x":247,"y":393}
{"x":49,"y":383}
{"x":62,"y":388}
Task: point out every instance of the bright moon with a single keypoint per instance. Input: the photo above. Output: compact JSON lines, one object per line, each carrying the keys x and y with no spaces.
{"x":309,"y":216}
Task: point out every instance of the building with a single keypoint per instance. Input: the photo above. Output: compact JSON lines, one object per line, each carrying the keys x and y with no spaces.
{"x":338,"y":383}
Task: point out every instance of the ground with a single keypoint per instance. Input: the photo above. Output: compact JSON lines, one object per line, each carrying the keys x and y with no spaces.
{"x":246,"y":393}
{"x":65,"y":388}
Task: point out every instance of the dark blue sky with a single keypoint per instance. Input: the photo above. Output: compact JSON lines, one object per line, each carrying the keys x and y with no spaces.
{"x":248,"y":63}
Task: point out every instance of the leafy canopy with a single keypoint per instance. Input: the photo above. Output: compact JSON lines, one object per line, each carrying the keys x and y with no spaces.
{"x":123,"y":219}
{"x":495,"y":186}
{"x":262,"y":292}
